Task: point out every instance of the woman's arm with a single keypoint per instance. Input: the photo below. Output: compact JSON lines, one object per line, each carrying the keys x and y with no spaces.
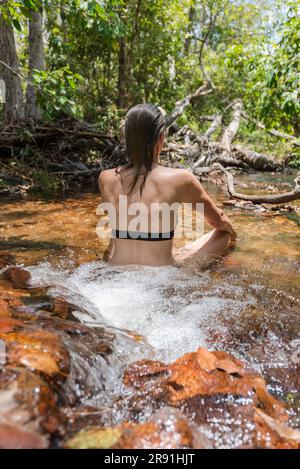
{"x":191,"y":191}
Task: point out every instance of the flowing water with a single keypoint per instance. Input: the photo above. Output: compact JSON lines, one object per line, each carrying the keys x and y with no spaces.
{"x":246,"y":304}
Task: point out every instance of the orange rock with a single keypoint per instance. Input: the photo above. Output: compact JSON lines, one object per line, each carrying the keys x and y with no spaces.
{"x":8,"y":325}
{"x":37,"y":360}
{"x":199,"y":382}
{"x":34,"y":348}
{"x":167,"y":428}
{"x":12,"y":437}
{"x":6,"y":259}
{"x":18,"y":277}
{"x":4,"y":309}
{"x":61,"y":307}
{"x":28,"y":400}
{"x":272,"y":434}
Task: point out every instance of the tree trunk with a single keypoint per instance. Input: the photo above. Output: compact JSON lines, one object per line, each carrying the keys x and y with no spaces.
{"x":9,"y":67}
{"x":36,"y":62}
{"x":122,"y":87}
{"x":187,"y":42}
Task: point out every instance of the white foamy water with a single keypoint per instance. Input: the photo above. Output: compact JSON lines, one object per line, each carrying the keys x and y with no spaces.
{"x":171,"y":309}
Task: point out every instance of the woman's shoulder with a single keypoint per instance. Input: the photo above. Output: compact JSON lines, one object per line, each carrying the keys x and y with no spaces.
{"x":107,"y":177}
{"x":176,"y":175}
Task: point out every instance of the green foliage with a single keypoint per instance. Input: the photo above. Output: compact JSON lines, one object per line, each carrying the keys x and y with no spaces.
{"x":57,"y":91}
{"x":249,"y":48}
{"x":15,"y":11}
{"x":275,"y":76}
{"x":295,"y":160}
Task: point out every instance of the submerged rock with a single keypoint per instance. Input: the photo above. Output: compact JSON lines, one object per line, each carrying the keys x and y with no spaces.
{"x":215,"y":391}
{"x":12,"y":437}
{"x":28,"y":410}
{"x":167,"y":429}
{"x":18,"y":278}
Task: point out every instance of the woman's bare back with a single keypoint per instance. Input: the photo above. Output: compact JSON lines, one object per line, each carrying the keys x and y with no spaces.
{"x":167,"y":186}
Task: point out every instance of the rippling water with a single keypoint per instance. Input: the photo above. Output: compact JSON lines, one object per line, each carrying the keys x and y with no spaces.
{"x":167,"y":306}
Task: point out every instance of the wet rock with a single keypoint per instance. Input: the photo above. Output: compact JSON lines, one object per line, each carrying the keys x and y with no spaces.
{"x":5,"y":309}
{"x":213,"y":389}
{"x":15,"y":438}
{"x":28,"y":408}
{"x":274,"y":434}
{"x":62,"y":308}
{"x":18,"y":278}
{"x":201,"y":373}
{"x":33,"y":348}
{"x":167,"y":429}
{"x":6,"y":259}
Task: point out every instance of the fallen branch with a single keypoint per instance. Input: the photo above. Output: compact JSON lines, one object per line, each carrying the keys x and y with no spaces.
{"x":259,"y":199}
{"x":255,"y":160}
{"x":214,"y":126}
{"x":232,"y":129}
{"x":183,"y":103}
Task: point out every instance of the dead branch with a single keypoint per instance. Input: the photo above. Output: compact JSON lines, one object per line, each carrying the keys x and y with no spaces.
{"x":259,"y":199}
{"x":232,"y":129}
{"x":214,"y":126}
{"x":180,"y":106}
{"x":255,"y":160}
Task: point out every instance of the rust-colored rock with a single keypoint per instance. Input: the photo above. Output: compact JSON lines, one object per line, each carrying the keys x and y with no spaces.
{"x":16,"y":438}
{"x":27,"y":404}
{"x":61,"y":307}
{"x":166,"y":429}
{"x":36,"y":349}
{"x":200,"y":382}
{"x":19,"y":278}
{"x":273,"y":434}
{"x":201,"y":373}
{"x":6,"y":259}
{"x":5,"y":309}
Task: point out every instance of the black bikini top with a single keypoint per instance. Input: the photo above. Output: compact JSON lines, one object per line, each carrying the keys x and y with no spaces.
{"x":120,"y":234}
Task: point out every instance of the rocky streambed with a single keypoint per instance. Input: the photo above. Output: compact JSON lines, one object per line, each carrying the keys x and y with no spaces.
{"x":53,"y":365}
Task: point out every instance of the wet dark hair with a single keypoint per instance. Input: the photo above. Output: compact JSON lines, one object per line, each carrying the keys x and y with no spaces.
{"x":143,"y":125}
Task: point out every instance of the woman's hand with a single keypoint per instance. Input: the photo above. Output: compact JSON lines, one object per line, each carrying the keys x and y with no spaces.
{"x":226,"y":225}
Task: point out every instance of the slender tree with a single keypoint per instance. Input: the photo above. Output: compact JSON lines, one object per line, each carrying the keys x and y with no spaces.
{"x":192,"y":15}
{"x":36,"y":56}
{"x":9,"y":71}
{"x":122,"y":73}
